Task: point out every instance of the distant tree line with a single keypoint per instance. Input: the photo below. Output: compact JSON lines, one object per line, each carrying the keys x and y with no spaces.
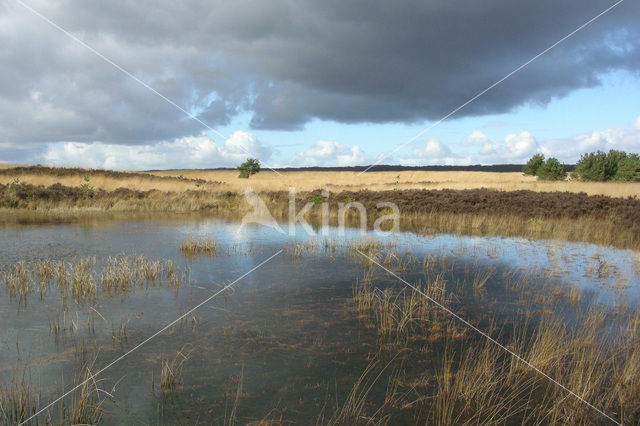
{"x":592,"y":167}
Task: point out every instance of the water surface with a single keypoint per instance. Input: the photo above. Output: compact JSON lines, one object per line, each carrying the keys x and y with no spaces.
{"x":284,"y":342}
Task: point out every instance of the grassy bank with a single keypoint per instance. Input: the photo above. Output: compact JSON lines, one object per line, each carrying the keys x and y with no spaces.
{"x":554,"y":215}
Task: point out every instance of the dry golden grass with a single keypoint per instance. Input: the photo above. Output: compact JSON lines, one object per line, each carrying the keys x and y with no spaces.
{"x":109,"y":183}
{"x":267,"y":180}
{"x":377,"y":181}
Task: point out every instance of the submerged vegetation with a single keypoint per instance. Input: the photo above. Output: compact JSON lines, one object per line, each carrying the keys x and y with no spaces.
{"x":470,"y":380}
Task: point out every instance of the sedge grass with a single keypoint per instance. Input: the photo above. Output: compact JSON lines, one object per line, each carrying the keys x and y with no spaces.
{"x":18,"y":401}
{"x":199,"y":246}
{"x":84,"y":278}
{"x":595,"y":355}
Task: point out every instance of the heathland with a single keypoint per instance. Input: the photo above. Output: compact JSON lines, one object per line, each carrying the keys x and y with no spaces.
{"x":429,"y":202}
{"x":335,"y":181}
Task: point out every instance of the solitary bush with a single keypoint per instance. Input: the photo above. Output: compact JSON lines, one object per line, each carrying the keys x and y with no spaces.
{"x":532,"y":166}
{"x":248,"y":168}
{"x":87,"y":189}
{"x":551,"y":170}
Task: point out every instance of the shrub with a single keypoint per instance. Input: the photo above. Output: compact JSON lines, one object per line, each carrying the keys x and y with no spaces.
{"x":551,"y":170}
{"x":248,"y":168}
{"x":532,"y":166}
{"x":316,"y":199}
{"x":628,"y":169}
{"x":87,"y":189}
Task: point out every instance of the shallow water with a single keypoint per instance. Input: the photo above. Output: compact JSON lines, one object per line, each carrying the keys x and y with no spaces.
{"x":283,"y":342}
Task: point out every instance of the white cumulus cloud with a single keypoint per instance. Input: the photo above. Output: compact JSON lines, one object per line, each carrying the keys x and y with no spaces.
{"x":187,"y":152}
{"x":625,"y":138}
{"x":516,"y":148}
{"x":476,"y":138}
{"x":435,"y":152}
{"x":330,"y":153}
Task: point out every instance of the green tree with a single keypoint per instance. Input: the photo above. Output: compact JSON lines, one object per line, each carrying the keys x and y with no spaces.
{"x":611,"y":165}
{"x":552,"y":170}
{"x":600,"y":166}
{"x":628,"y":169}
{"x":248,"y":168}
{"x":591,"y":167}
{"x":532,"y":166}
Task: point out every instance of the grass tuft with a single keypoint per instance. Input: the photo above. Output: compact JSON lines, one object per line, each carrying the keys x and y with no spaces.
{"x":199,"y":246}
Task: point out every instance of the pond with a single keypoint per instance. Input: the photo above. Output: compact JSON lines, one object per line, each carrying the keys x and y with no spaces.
{"x":317,"y":334}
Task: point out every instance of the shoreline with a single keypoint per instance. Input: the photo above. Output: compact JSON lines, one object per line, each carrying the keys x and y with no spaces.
{"x":529,"y":214}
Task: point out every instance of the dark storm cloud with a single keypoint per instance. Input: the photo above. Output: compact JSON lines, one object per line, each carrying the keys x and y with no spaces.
{"x":287,"y":62}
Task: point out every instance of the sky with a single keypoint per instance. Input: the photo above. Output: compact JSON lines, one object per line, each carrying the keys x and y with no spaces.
{"x":314,"y":83}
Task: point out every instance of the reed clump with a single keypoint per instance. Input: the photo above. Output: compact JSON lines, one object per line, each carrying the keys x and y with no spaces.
{"x":353,"y":411}
{"x":199,"y":246}
{"x":171,"y":372}
{"x":370,"y":246}
{"x":119,"y":333}
{"x":122,"y":273}
{"x":84,"y":278}
{"x":16,"y":280}
{"x":85,"y":405}
{"x":18,"y":401}
{"x":297,"y":251}
{"x":481,"y":277}
{"x":363,"y":297}
{"x":83,"y":284}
